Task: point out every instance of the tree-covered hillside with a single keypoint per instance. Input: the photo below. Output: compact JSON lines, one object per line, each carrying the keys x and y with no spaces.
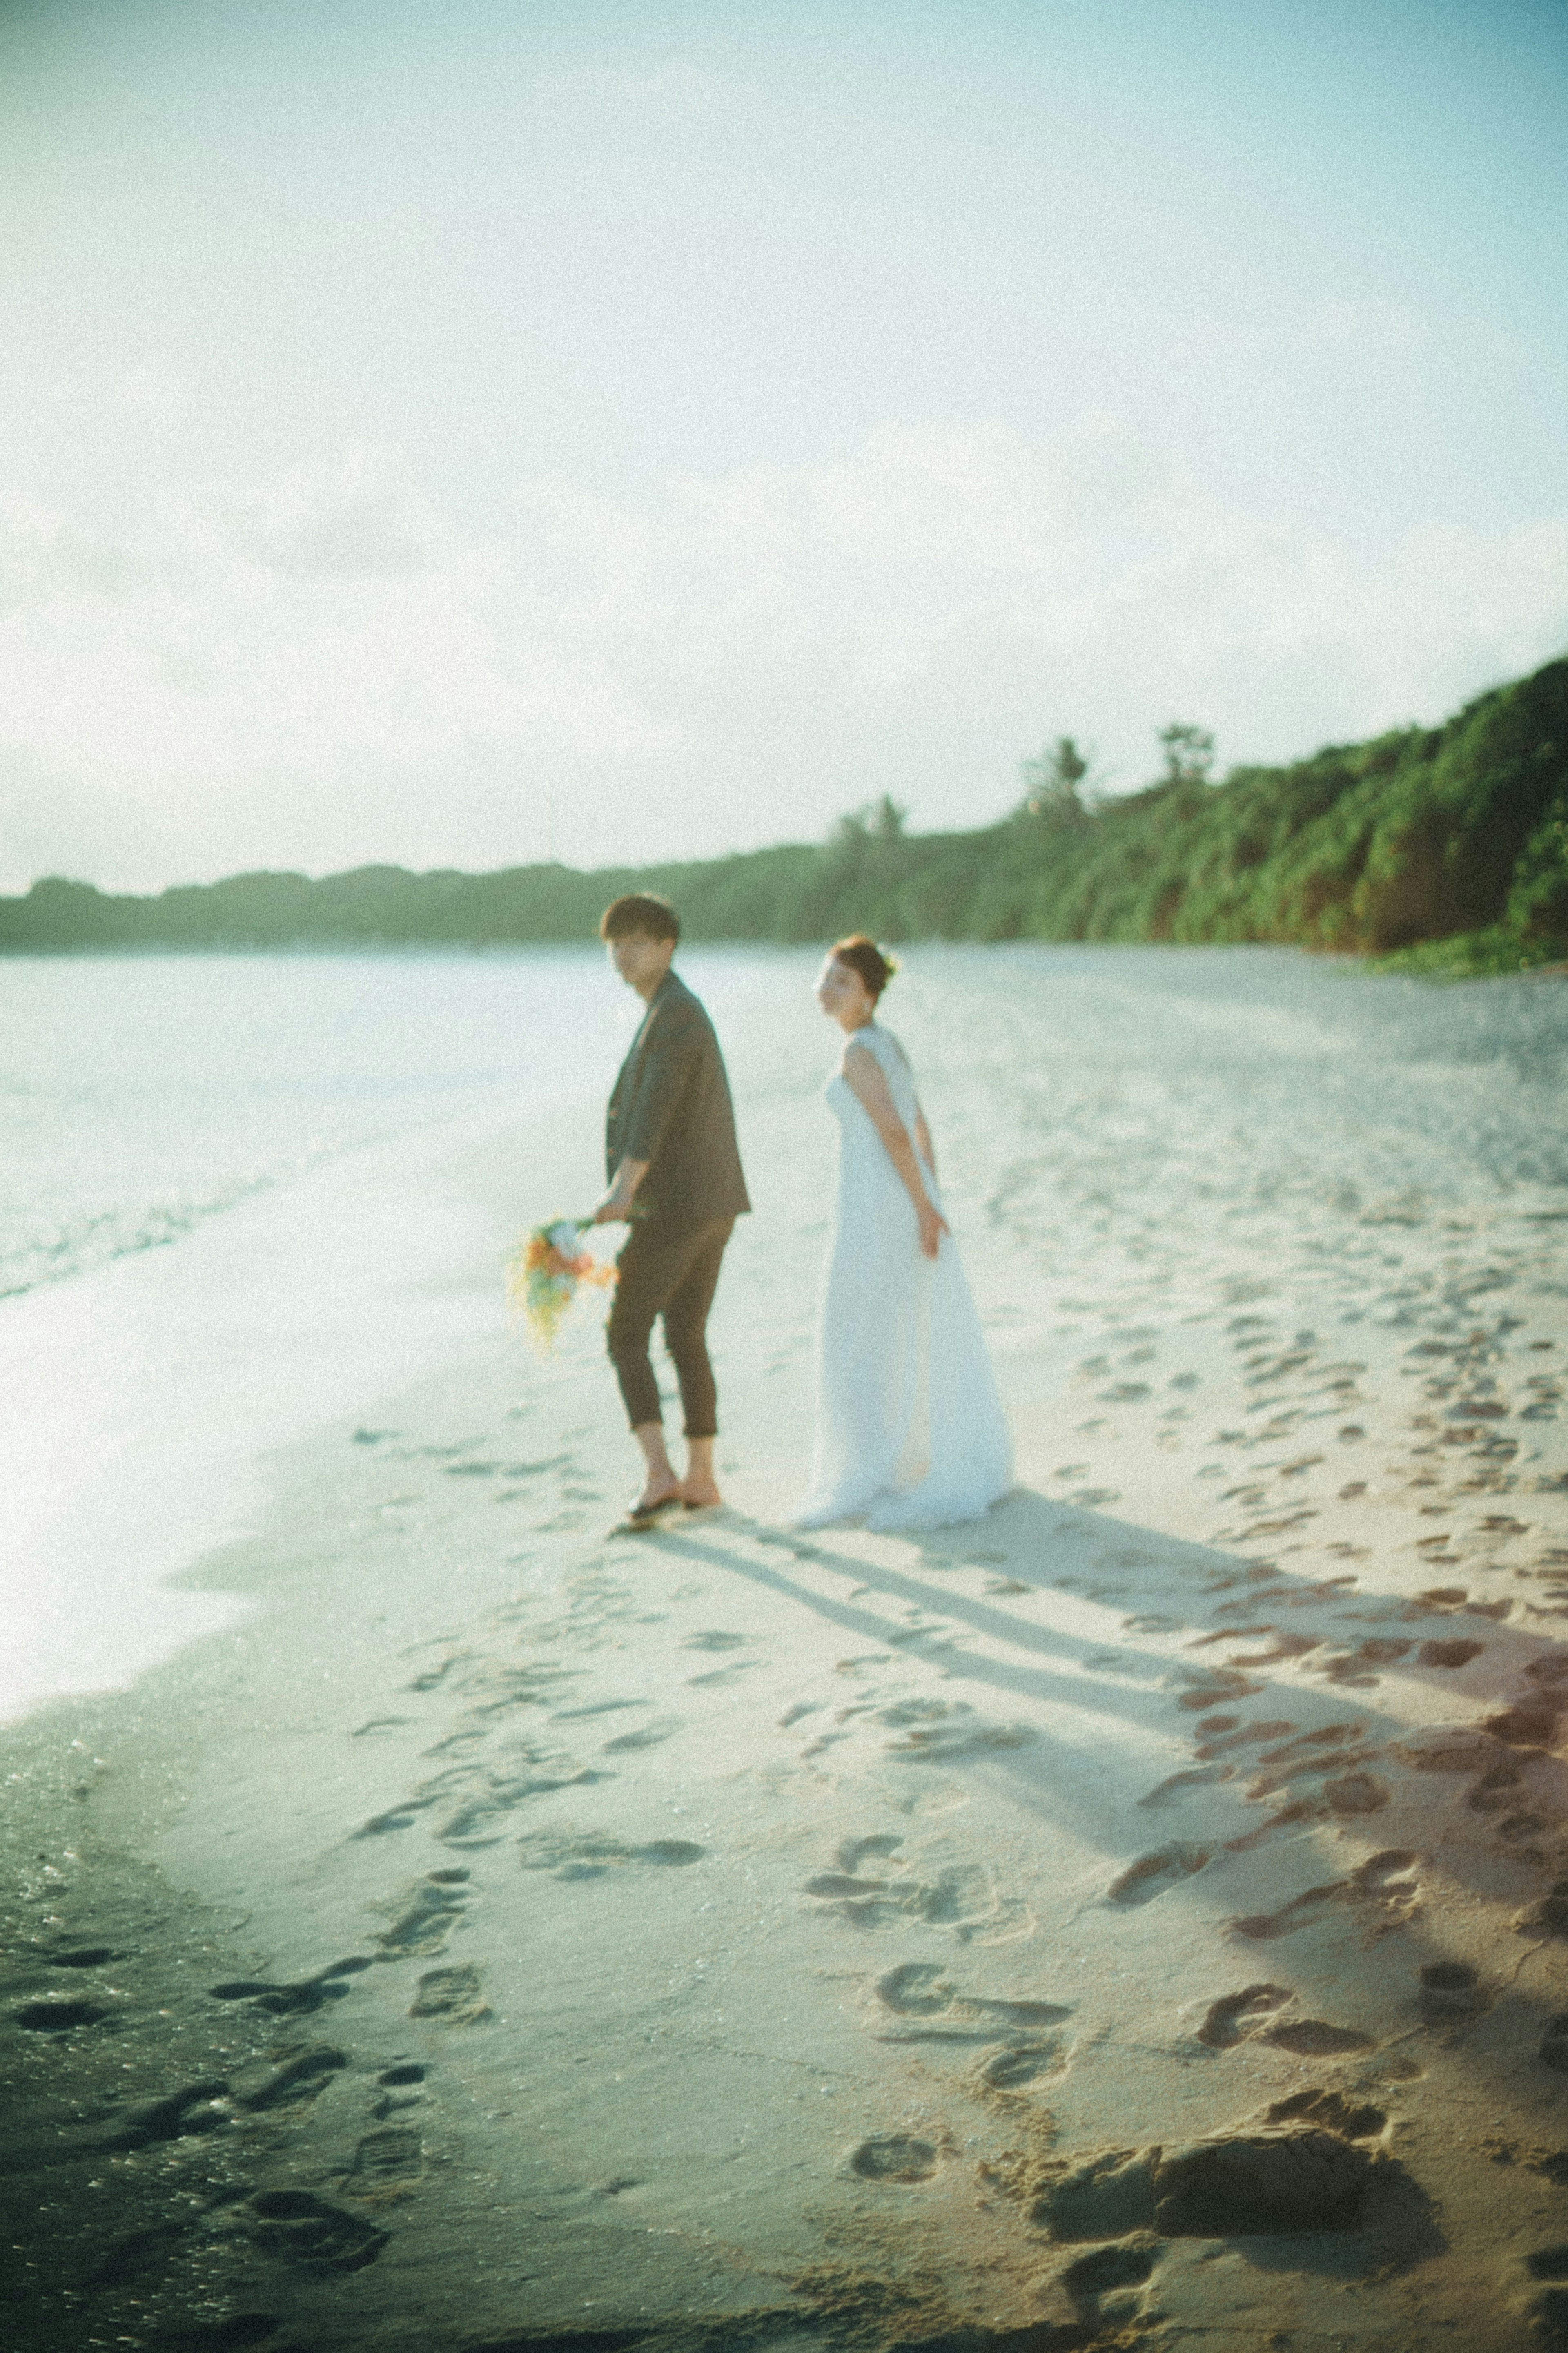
{"x":1450,"y":843}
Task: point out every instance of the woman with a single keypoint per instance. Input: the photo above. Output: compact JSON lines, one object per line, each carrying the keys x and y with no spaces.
{"x":908,"y":1426}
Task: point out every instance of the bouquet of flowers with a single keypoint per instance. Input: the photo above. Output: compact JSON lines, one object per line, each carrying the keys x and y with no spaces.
{"x":545,"y":1273}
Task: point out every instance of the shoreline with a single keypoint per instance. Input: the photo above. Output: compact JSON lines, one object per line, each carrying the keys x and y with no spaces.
{"x":150,"y":1389}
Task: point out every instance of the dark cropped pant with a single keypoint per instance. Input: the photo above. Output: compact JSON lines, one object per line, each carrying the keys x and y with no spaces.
{"x":673,"y":1275}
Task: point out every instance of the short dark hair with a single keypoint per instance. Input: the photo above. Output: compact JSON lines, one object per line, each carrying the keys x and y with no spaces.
{"x":865,"y":958}
{"x":640,"y":915}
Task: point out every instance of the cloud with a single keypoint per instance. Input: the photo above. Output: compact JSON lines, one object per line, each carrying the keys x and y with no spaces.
{"x":323,"y":668}
{"x":360,"y":518}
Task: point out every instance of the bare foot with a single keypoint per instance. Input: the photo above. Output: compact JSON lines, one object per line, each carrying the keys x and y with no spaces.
{"x":655,"y":1496}
{"x":700,"y":1489}
{"x":661,"y":1490}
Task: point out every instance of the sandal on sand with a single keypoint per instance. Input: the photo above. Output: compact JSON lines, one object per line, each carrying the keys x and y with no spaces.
{"x":644,"y":1516}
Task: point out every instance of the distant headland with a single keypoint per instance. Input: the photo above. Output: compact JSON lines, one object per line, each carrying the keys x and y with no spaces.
{"x":1443,"y":848}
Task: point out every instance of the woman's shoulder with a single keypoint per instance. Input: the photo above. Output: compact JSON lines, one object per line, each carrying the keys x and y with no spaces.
{"x":879,"y":1045}
{"x":888,"y":1045}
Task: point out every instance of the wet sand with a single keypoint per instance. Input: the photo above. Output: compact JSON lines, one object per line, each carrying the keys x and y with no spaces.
{"x":1140,"y":1916}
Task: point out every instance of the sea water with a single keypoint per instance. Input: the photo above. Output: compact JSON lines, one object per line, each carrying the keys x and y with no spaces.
{"x":244,"y":1196}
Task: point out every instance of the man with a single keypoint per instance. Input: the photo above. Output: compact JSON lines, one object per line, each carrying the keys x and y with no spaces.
{"x":674,"y":1170}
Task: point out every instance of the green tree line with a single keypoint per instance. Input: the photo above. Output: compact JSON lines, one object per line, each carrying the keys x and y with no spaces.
{"x":1446,"y":845}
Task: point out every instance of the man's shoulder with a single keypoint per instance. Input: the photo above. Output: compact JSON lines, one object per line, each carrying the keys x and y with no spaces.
{"x":675,"y":1008}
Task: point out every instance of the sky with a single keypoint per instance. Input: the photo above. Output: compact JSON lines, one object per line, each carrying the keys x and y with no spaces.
{"x":613,"y":432}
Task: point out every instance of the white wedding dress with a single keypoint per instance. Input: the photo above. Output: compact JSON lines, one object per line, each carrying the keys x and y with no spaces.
{"x":909,"y":1431}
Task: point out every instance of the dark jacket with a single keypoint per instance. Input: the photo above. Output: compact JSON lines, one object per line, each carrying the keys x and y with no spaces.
{"x":671,"y":1106}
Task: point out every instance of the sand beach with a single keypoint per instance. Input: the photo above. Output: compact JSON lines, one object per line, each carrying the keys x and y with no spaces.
{"x":1138,"y":1918}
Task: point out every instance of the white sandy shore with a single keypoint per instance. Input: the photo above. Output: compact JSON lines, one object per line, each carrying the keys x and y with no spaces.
{"x":770,"y":1940}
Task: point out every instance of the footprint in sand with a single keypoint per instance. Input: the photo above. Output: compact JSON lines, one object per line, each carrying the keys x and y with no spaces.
{"x":1314,"y":2037}
{"x":963,"y":1898}
{"x":1358,"y":1668}
{"x":1493,"y":1793}
{"x":1352,"y":2119}
{"x":58,"y":2017}
{"x":1009,"y":2070}
{"x":433,"y":1677}
{"x":853,"y":1852}
{"x":894,"y":2157}
{"x":1356,"y":1793}
{"x":1237,"y":2015}
{"x":452,"y":1994}
{"x":1101,"y":2284}
{"x":1216,"y":1689}
{"x":1553,"y":2050}
{"x":1382,"y":1885}
{"x":400,"y":2088}
{"x":196,"y":2108}
{"x":1448,"y":1654}
{"x":298,"y":1999}
{"x":304,"y":2228}
{"x":921,"y":1993}
{"x":1175,"y":1786}
{"x":1221,"y":1734}
{"x":388,"y":2164}
{"x":584,"y":1855}
{"x":651,"y":1735}
{"x":427,"y":1916}
{"x":1151,"y":1874}
{"x":397,"y":1818}
{"x":921,"y":1989}
{"x":301,"y":2078}
{"x":1452,"y":1989}
{"x":946,"y":1732}
{"x":917,"y":1990}
{"x":480,"y":1819}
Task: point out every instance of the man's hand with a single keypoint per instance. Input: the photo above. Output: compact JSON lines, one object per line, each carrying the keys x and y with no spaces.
{"x":616,"y":1208}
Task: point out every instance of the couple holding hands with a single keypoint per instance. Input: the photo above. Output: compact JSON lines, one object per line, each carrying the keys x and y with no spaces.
{"x":909,"y":1431}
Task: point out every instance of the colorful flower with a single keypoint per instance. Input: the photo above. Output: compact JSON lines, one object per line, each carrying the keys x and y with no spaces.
{"x":543,"y":1273}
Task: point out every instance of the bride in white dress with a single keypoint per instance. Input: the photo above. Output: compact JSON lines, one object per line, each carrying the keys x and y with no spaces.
{"x":909,"y":1431}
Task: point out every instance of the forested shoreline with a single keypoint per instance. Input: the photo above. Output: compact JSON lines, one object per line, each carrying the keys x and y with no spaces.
{"x":1445,"y":846}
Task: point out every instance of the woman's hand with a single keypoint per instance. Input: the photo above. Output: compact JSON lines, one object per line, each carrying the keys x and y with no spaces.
{"x":867,"y":1082}
{"x":934,"y":1225}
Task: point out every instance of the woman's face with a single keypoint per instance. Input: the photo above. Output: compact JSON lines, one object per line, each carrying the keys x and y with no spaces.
{"x":843,"y":996}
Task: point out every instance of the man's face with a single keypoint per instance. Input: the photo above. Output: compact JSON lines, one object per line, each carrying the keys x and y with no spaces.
{"x":641,"y":963}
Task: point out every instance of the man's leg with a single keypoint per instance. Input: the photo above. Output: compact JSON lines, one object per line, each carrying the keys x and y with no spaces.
{"x":685,"y":1335}
{"x":647,"y":1270}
